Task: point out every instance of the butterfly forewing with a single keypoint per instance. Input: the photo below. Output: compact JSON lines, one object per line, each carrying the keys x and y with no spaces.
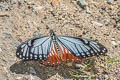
{"x":82,"y":47}
{"x":34,"y":49}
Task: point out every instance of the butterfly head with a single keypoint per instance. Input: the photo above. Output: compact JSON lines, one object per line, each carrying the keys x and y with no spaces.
{"x":52,"y":34}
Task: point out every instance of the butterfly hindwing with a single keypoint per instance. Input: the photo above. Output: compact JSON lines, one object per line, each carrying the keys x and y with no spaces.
{"x":65,"y":54}
{"x":34,"y":49}
{"x":53,"y":57}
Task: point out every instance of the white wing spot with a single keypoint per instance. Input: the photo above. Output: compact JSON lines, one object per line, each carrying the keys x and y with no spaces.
{"x":35,"y":57}
{"x":40,"y":56}
{"x":93,"y":54}
{"x":18,"y":53}
{"x":91,"y":51}
{"x":97,"y":54}
{"x":30,"y":57}
{"x":22,"y":50}
{"x":44,"y":55}
{"x":84,"y":56}
{"x":88,"y":54}
{"x":20,"y":56}
{"x":103,"y":50}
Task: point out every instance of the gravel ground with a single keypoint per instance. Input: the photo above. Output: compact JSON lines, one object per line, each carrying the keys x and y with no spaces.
{"x":94,"y":19}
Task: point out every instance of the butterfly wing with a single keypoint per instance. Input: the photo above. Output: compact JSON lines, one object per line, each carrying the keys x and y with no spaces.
{"x":53,"y":57}
{"x":65,"y":54}
{"x":34,"y":49}
{"x":81,"y":47}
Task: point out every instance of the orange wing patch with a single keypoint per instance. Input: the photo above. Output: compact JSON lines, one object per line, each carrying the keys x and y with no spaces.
{"x":67,"y":56}
{"x":53,"y":58}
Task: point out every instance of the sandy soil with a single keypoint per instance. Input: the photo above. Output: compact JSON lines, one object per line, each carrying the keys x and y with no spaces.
{"x":23,"y":19}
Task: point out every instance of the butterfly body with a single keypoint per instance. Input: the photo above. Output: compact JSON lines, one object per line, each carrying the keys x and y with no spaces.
{"x":54,"y":50}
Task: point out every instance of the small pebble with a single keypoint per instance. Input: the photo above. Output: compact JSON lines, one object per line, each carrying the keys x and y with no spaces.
{"x":114,"y":43}
{"x":100,"y":70}
{"x":7,"y":35}
{"x":118,"y":74}
{"x":82,"y":3}
{"x":13,"y":1}
{"x":118,"y":13}
{"x":16,"y":44}
{"x":118,"y":42}
{"x":25,"y":0}
{"x":79,"y":66}
{"x":103,"y":77}
{"x":110,"y":1}
{"x":117,"y":20}
{"x":18,"y":78}
{"x":32,"y":71}
{"x":88,"y":11}
{"x":0,"y":50}
{"x":37,"y":8}
{"x":85,"y":31}
{"x":103,"y":7}
{"x":37,"y":34}
{"x":97,"y":23}
{"x":107,"y":23}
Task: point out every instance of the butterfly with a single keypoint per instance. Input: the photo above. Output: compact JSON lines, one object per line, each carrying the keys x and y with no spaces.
{"x":53,"y":50}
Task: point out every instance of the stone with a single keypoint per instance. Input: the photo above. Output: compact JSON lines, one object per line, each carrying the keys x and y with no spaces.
{"x":0,"y":50}
{"x":32,"y":71}
{"x":82,"y":3}
{"x":110,"y":1}
{"x":114,"y":43}
{"x":97,"y":23}
{"x":16,"y":44}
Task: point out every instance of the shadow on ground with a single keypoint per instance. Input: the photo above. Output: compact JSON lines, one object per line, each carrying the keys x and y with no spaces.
{"x":43,"y":72}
